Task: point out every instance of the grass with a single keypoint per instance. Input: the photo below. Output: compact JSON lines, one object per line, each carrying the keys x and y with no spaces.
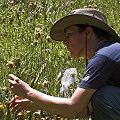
{"x":24,"y":33}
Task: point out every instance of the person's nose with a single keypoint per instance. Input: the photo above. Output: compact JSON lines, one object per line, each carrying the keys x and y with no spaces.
{"x":65,"y":42}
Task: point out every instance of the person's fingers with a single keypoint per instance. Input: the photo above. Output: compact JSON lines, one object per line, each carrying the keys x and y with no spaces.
{"x":17,"y":106}
{"x":15,"y":101}
{"x":14,"y":77}
{"x":12,"y":102}
{"x":19,"y":98}
{"x":11,"y":82}
{"x":14,"y":98}
{"x":19,"y":110}
{"x":11,"y":105}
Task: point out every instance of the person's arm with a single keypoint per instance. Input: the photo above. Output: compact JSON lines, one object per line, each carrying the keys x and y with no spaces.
{"x":68,"y":107}
{"x":71,"y":108}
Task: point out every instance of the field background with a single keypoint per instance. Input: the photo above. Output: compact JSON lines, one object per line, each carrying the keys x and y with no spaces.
{"x":27,"y":51}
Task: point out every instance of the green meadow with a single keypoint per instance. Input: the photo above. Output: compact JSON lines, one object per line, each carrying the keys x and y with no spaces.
{"x":27,"y":51}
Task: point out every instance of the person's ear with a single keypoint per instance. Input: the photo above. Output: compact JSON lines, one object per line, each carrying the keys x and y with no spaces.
{"x":89,"y":32}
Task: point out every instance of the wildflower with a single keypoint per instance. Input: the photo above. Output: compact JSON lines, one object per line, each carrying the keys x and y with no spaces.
{"x":10,"y":64}
{"x":69,"y":77}
{"x":45,"y":83}
{"x":48,"y":38}
{"x":35,"y":43}
{"x":1,"y":106}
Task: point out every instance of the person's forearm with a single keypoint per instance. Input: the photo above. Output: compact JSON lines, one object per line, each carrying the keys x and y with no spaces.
{"x":86,"y":112}
{"x":53,"y":105}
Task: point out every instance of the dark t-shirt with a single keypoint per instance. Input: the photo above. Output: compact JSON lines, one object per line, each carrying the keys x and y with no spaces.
{"x":104,"y":67}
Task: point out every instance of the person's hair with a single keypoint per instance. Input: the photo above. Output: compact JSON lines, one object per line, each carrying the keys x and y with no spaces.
{"x":99,"y":33}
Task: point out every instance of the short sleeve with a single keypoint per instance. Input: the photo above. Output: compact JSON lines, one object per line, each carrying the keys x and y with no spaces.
{"x":98,"y":72}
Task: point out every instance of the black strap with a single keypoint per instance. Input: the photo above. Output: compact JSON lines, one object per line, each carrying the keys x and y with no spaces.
{"x":88,"y":112}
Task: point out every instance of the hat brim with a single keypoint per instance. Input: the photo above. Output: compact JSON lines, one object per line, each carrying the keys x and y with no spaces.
{"x":57,"y":31}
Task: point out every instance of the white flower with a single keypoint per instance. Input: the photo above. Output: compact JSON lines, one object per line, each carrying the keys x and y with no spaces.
{"x":69,"y":76}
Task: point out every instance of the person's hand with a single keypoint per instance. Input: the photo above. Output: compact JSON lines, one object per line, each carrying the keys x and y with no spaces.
{"x":18,"y":104}
{"x":19,"y":87}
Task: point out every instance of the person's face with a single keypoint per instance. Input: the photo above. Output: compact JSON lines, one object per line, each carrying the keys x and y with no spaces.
{"x":75,"y":41}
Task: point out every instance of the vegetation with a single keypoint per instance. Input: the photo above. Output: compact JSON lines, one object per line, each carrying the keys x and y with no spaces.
{"x":27,"y":51}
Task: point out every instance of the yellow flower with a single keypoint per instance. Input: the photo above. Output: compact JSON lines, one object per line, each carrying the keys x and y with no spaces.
{"x":1,"y":106}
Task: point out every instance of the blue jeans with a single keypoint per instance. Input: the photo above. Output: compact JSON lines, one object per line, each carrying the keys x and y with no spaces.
{"x":106,"y":104}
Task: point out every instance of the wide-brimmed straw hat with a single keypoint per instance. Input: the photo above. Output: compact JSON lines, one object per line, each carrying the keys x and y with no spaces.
{"x":86,"y":16}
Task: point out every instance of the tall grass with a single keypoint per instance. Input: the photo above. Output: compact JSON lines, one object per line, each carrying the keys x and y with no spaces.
{"x":27,"y":51}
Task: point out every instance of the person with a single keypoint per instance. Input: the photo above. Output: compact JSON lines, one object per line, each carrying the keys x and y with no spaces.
{"x":86,"y":34}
